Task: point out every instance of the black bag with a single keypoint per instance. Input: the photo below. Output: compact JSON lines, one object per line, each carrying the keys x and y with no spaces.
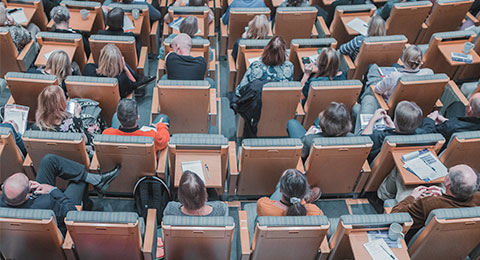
{"x":151,"y":192}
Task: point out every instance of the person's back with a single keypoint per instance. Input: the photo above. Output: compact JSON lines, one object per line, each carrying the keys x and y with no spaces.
{"x":114,"y":24}
{"x":180,"y":64}
{"x":241,"y":4}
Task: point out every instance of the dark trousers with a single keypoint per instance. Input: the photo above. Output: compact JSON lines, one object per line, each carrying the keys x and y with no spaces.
{"x":53,"y":166}
{"x":454,"y":110}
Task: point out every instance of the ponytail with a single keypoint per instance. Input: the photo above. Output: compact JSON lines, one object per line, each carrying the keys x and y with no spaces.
{"x":294,"y":186}
{"x":296,"y":208}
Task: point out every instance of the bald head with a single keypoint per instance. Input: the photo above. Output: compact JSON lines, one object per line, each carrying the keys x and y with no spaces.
{"x":182,"y":44}
{"x":16,"y":188}
{"x":461,"y":181}
{"x":473,"y":108}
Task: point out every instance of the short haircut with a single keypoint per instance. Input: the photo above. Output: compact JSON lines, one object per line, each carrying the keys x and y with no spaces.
{"x":412,"y":57}
{"x":376,"y":26}
{"x":23,"y":187}
{"x":408,"y":117}
{"x":328,"y":63}
{"x":196,"y":2}
{"x":183,"y":41}
{"x":192,"y":192}
{"x":274,"y":53}
{"x":335,"y":120}
{"x":114,"y":19}
{"x":60,"y":14}
{"x":127,"y":112}
{"x":189,"y":26}
{"x":20,"y":36}
{"x":459,"y":187}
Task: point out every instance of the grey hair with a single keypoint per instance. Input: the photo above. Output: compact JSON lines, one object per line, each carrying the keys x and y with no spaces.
{"x":461,"y":189}
{"x":60,"y":14}
{"x":127,"y":112}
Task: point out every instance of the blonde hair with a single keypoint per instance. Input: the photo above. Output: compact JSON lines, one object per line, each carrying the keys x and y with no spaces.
{"x":51,"y":108}
{"x":412,"y":57}
{"x":110,"y":63}
{"x":376,"y":26}
{"x":59,"y":64}
{"x":328,"y":63}
{"x":258,"y":27}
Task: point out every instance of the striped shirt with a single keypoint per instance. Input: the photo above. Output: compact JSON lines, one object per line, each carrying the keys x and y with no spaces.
{"x":352,"y":47}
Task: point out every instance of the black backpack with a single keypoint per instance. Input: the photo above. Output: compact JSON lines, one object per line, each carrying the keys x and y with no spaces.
{"x":151,"y":192}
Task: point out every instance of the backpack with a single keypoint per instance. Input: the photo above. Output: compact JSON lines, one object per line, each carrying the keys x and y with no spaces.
{"x":90,"y":115}
{"x":151,"y":192}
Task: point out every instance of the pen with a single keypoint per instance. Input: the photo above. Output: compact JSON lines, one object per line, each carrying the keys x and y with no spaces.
{"x":393,"y":257}
{"x":206,"y":169}
{"x":13,"y":10}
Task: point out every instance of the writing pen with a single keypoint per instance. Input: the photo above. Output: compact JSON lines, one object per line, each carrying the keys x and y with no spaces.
{"x":206,"y":169}
{"x":13,"y":10}
{"x":393,"y":257}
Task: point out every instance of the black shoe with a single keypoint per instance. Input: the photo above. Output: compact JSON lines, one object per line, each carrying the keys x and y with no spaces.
{"x":143,"y":80}
{"x":107,"y":178}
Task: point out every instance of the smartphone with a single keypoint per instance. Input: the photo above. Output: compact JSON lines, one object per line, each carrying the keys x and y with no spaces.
{"x":306,"y":60}
{"x":71,"y":107}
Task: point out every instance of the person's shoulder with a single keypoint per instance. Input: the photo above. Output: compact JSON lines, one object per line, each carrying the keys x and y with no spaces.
{"x":264,"y":201}
{"x":219,"y":208}
{"x":110,"y":131}
{"x":103,"y":32}
{"x":173,"y":208}
{"x":287,"y":63}
{"x":313,"y":210}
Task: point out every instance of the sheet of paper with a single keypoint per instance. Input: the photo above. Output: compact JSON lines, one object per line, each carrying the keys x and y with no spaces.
{"x":251,"y":60}
{"x":379,"y":250}
{"x":384,"y":71}
{"x":383,"y":234}
{"x":359,"y":25}
{"x":18,"y":114}
{"x":365,"y":118}
{"x":425,"y":165}
{"x":127,"y":24}
{"x":176,"y":23}
{"x":18,"y":16}
{"x":195,"y":167}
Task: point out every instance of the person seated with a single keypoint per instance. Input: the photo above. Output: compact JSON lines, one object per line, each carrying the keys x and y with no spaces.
{"x":180,"y":64}
{"x":52,"y":115}
{"x":8,"y":21}
{"x":111,"y":64}
{"x":114,"y":24}
{"x":334,"y":121}
{"x":295,"y":3}
{"x":407,"y":121}
{"x":272,"y":66}
{"x":192,"y":195}
{"x":258,"y":28}
{"x":153,"y":13}
{"x":20,"y":36}
{"x":125,"y":122}
{"x":327,"y":65}
{"x":61,"y":18}
{"x":169,"y":19}
{"x":376,"y":27}
{"x":17,"y":188}
{"x":457,"y":118}
{"x":16,"y":134}
{"x":241,"y":4}
{"x":387,"y":8}
{"x":411,"y":57}
{"x":290,"y":197}
{"x":331,"y":9}
{"x":188,"y":26}
{"x":58,"y":64}
{"x":461,"y":185}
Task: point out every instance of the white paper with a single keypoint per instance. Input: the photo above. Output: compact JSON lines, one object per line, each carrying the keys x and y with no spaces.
{"x":425,"y":165}
{"x":379,"y":250}
{"x":17,"y":114}
{"x":127,"y":24}
{"x":384,"y":71}
{"x":383,"y":234}
{"x":18,"y":16}
{"x":359,"y":25}
{"x":195,"y":167}
{"x":251,"y":60}
{"x":365,"y":119}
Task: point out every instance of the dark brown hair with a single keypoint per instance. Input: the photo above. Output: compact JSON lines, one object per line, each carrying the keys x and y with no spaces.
{"x":328,"y":63}
{"x":274,"y":53}
{"x":335,"y":120}
{"x":192,"y":192}
{"x":294,"y":187}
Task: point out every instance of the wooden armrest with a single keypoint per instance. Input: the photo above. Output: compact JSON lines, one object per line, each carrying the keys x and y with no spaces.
{"x":153,"y":37}
{"x":94,"y":164}
{"x":421,"y":35}
{"x":232,"y":71}
{"x":162,"y":163}
{"x":28,"y":167}
{"x":380,"y":99}
{"x":10,"y":100}
{"x":68,"y":247}
{"x":300,"y":166}
{"x":300,"y":113}
{"x":142,"y":61}
{"x":161,"y":69}
{"x":150,"y":227}
{"x":244,"y":237}
{"x":350,"y":65}
{"x":387,"y":210}
{"x":22,"y":54}
{"x":213,"y":107}
{"x":224,"y":39}
{"x":28,"y":161}
{"x":155,"y":109}
{"x":364,"y":175}
{"x":324,"y":26}
{"x":458,"y":93}
{"x":324,"y":249}
{"x":90,"y":59}
{"x":472,"y":18}
{"x":79,"y":207}
{"x":438,"y":104}
{"x":233,"y":168}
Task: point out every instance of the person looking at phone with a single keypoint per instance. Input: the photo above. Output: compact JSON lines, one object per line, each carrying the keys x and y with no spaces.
{"x":325,"y":68}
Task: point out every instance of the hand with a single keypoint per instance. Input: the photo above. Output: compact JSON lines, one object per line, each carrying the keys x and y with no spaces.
{"x":379,"y":114}
{"x":15,"y":126}
{"x":434,"y":191}
{"x":441,"y":119}
{"x":309,"y":68}
{"x":244,"y":35}
{"x":418,"y":191}
{"x":312,"y":130}
{"x":124,"y":64}
{"x":43,"y":189}
{"x":77,"y":110}
{"x":33,"y":185}
{"x":434,"y":116}
{"x":388,"y":122}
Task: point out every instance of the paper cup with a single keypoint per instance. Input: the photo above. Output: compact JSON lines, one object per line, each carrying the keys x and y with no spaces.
{"x":84,"y":13}
{"x":135,"y":13}
{"x":467,"y":47}
{"x":395,"y":232}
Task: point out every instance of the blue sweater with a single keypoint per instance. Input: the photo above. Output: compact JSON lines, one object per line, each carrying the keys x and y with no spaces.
{"x":242,"y":4}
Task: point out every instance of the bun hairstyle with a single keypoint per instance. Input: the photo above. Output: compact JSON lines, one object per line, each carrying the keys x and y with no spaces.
{"x":294,"y":187}
{"x":412,"y":57}
{"x":60,"y":14}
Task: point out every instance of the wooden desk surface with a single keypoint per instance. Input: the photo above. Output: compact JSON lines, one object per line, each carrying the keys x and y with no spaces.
{"x":358,"y":238}
{"x":305,"y":53}
{"x":348,"y":17}
{"x":137,"y":23}
{"x":408,"y":177}
{"x":27,"y":9}
{"x":76,"y":21}
{"x":46,"y":48}
{"x":448,"y":47}
{"x":252,"y":54}
{"x":212,"y":159}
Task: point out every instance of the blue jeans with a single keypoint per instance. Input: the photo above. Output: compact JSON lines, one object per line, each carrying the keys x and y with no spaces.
{"x":296,"y":130}
{"x":116,"y":123}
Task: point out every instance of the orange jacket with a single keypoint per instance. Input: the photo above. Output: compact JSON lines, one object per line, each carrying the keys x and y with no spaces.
{"x":160,"y":134}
